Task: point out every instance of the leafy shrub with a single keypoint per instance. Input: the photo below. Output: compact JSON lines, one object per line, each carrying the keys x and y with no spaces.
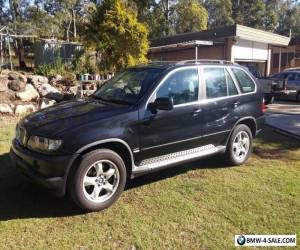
{"x":85,"y":63}
{"x":55,"y":68}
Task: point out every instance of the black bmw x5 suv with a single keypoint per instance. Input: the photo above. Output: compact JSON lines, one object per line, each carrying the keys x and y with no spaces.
{"x":144,"y":119}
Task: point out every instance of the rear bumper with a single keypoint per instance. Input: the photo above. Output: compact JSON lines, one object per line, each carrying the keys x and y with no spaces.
{"x":47,"y":171}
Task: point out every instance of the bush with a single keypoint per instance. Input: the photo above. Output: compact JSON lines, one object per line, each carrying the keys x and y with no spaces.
{"x":85,"y":63}
{"x":51,"y":69}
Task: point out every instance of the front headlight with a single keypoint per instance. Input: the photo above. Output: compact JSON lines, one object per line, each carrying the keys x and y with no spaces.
{"x":43,"y":144}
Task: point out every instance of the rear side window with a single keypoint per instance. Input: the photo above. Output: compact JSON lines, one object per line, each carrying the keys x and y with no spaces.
{"x":231,"y":86}
{"x":218,"y":83}
{"x":245,"y":82}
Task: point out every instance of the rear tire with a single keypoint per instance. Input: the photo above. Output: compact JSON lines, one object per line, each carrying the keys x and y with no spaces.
{"x":98,"y":181}
{"x":239,"y":147}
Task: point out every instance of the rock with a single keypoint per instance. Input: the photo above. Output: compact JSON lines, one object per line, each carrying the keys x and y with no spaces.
{"x":24,"y":109}
{"x":23,"y":78}
{"x":50,"y":92}
{"x":5,"y":108}
{"x":16,"y":85}
{"x":45,"y":102}
{"x":13,"y":76}
{"x":37,"y":81}
{"x":28,"y":94}
{"x":73,"y":90}
{"x":7,"y":96}
{"x":55,"y":79}
{"x":3,"y":84}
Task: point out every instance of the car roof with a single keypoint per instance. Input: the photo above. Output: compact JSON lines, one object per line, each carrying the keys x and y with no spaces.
{"x":177,"y":64}
{"x":287,"y":72}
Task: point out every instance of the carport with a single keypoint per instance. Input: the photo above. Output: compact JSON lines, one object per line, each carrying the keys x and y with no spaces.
{"x":247,"y":46}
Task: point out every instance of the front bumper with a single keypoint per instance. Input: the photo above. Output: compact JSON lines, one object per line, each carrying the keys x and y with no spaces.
{"x":47,"y":170}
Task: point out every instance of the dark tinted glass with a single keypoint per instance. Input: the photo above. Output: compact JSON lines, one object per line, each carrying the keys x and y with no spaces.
{"x":215,"y":81}
{"x":129,"y":85}
{"x":231,"y":86}
{"x":182,"y":86}
{"x":245,"y":82}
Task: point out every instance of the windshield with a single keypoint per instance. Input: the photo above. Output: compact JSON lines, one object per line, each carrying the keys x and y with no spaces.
{"x":128,"y":86}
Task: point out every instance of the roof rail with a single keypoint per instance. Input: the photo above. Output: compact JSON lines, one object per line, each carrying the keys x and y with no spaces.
{"x":162,"y":62}
{"x":199,"y":61}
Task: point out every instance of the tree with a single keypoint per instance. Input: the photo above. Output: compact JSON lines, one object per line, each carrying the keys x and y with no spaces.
{"x":220,"y":13}
{"x":116,"y":35}
{"x":270,"y":19}
{"x":248,"y":12}
{"x":189,"y":16}
{"x":289,"y":18}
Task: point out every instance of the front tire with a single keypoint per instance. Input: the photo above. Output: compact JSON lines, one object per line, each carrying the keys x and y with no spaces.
{"x":239,"y":147}
{"x":98,"y":181}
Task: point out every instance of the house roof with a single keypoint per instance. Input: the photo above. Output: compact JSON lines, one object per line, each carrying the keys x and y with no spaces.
{"x":236,"y":30}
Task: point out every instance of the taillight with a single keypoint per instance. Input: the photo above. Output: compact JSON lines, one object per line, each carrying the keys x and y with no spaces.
{"x":264,"y":106}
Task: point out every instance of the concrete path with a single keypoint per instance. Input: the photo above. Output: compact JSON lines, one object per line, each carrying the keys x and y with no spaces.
{"x":285,"y":116}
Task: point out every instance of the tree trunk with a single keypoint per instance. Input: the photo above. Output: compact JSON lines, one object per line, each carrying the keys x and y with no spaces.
{"x":20,"y":53}
{"x":74,"y":24}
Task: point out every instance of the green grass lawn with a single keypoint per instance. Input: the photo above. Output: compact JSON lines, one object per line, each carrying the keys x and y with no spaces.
{"x":198,"y":205}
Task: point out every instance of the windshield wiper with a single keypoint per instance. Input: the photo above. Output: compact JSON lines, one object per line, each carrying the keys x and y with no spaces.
{"x":117,"y":101}
{"x":97,"y":97}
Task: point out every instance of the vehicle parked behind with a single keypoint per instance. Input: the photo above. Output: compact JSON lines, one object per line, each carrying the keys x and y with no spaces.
{"x":292,"y":69}
{"x":287,"y":85}
{"x":144,"y":119}
{"x":266,"y":84}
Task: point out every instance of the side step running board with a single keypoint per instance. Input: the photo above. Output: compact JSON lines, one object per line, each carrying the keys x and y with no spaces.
{"x":160,"y":162}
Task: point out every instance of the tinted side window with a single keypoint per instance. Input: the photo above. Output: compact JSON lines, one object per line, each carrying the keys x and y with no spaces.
{"x":279,"y":76}
{"x":297,"y":77}
{"x":215,"y":81}
{"x":291,"y":77}
{"x":245,"y":82}
{"x":231,"y":86}
{"x":182,"y":86}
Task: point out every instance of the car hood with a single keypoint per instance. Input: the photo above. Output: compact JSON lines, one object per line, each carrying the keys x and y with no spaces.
{"x":68,"y":115}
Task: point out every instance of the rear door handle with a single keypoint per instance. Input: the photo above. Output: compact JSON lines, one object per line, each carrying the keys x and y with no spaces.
{"x":236,"y":104}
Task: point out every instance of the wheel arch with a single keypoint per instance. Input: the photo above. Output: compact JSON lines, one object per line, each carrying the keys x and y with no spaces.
{"x":250,"y":121}
{"x":117,"y":145}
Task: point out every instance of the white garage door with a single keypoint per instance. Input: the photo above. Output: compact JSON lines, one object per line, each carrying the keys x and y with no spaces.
{"x":250,"y":51}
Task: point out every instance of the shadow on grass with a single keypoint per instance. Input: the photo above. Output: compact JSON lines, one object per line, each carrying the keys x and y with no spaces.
{"x":273,"y":145}
{"x":19,"y":198}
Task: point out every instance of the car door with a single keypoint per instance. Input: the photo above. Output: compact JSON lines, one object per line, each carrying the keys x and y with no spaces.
{"x":178,"y":129}
{"x":220,"y":111}
{"x":293,"y":85}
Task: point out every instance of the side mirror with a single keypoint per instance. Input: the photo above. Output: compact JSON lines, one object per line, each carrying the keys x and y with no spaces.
{"x":161,"y":103}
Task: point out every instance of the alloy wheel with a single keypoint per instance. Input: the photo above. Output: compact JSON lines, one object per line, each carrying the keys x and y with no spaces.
{"x":101,"y":181}
{"x":241,"y":146}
